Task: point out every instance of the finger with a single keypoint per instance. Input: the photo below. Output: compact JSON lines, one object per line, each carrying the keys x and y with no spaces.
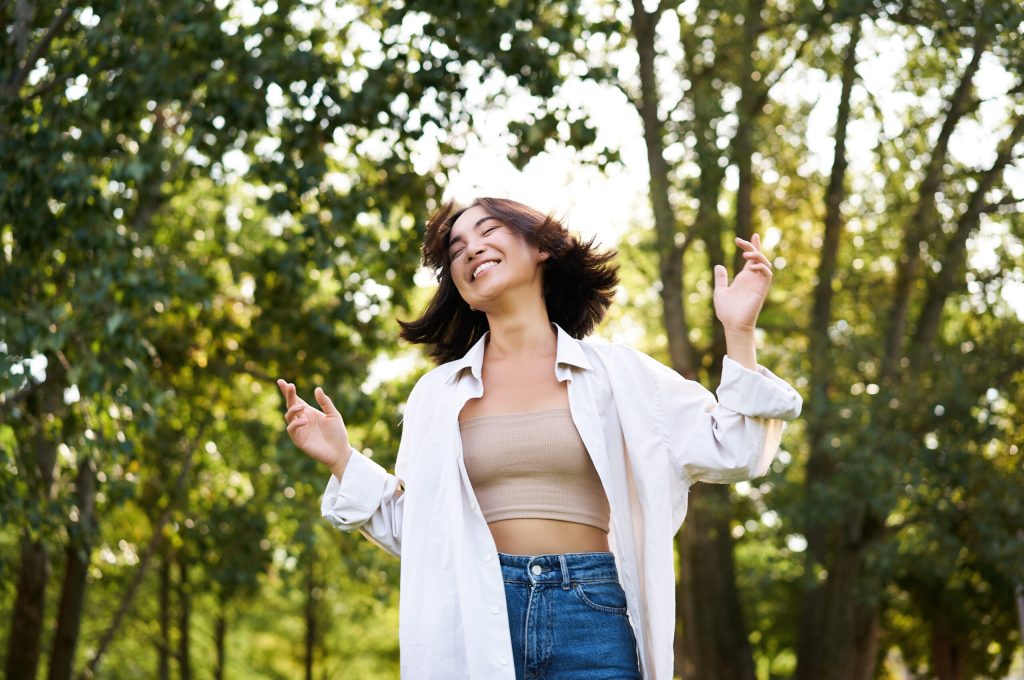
{"x":295,"y":424}
{"x":325,"y":402}
{"x":721,"y":276}
{"x":750,"y":246}
{"x":759,"y":266}
{"x":757,"y":255}
{"x":296,"y":399}
{"x":283,"y":386}
{"x":293,"y":412}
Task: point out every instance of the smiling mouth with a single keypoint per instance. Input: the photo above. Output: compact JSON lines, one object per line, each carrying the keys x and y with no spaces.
{"x":479,"y":273}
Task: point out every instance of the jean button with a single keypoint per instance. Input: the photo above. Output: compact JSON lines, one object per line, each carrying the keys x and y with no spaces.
{"x":536,"y":570}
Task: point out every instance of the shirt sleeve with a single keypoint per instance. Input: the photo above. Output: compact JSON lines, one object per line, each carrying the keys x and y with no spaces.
{"x":368,"y":498}
{"x":729,"y":439}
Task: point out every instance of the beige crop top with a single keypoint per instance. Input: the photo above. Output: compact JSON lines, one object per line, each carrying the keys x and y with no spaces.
{"x":533,"y":464}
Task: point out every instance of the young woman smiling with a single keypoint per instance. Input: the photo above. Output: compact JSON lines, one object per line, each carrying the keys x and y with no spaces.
{"x":540,"y":478}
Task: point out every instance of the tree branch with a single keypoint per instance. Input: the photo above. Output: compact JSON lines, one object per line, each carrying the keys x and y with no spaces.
{"x":92,"y":667}
{"x":924,"y":216}
{"x":18,"y":79}
{"x":954,"y":257}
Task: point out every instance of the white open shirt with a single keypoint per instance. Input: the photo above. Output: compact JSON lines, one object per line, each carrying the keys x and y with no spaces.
{"x":651,"y":433}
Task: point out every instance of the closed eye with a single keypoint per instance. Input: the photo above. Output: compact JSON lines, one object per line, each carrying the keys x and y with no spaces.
{"x":486,"y":231}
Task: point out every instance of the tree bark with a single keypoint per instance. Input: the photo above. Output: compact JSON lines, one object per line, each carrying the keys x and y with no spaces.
{"x":742,"y":143}
{"x":79,"y":550}
{"x":29,"y":610}
{"x":670,"y":261}
{"x":220,"y":634}
{"x":164,"y":644}
{"x":184,"y":619}
{"x":714,"y":641}
{"x":37,"y":456}
{"x":947,"y":652}
{"x":311,"y":622}
{"x":708,"y":593}
{"x":837,"y":637}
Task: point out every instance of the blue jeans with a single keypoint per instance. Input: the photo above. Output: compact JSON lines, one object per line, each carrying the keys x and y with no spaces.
{"x":567,"y":616}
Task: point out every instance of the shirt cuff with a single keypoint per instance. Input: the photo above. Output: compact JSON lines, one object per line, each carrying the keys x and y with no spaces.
{"x":758,"y":393}
{"x":361,"y":485}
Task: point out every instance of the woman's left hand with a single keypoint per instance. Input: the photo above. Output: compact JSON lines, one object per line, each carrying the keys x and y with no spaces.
{"x":738,"y":304}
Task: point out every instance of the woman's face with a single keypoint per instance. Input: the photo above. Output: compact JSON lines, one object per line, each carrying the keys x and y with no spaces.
{"x":511,"y":264}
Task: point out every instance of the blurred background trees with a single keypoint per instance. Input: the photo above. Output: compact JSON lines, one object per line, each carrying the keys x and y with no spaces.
{"x":198,"y":198}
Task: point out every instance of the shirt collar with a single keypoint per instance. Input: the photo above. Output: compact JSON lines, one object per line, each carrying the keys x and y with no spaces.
{"x":569,"y":350}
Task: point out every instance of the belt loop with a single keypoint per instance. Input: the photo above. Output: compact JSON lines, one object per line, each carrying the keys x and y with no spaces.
{"x":565,"y":571}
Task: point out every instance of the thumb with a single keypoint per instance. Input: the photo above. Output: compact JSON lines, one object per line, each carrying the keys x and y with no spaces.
{"x":325,"y":401}
{"x":721,"y":276}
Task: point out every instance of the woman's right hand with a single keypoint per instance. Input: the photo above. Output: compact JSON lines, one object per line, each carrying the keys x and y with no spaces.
{"x":321,"y":435}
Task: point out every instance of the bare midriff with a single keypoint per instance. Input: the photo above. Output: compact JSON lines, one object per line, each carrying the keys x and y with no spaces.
{"x":536,"y":536}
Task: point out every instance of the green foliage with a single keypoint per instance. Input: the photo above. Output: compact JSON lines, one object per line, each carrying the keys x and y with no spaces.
{"x":197,"y":198}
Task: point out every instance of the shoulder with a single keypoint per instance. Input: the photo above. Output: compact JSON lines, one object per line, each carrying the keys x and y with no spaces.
{"x":430,"y":382}
{"x":616,"y":354}
{"x":625,"y":363}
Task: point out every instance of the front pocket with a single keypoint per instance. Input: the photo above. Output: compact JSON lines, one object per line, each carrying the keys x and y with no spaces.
{"x":604,"y":596}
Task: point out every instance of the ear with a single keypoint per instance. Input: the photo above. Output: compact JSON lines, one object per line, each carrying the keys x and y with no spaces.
{"x":544,"y":255}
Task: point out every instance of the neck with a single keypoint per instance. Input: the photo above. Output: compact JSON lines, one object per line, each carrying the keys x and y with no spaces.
{"x":520,"y":338}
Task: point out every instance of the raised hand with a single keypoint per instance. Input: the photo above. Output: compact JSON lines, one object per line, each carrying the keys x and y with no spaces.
{"x":321,"y":435}
{"x":738,"y":304}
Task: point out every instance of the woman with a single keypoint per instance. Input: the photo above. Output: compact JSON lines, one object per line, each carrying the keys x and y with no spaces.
{"x":540,"y":479}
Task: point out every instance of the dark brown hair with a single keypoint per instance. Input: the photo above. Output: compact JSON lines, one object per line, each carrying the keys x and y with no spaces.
{"x":579,"y":281}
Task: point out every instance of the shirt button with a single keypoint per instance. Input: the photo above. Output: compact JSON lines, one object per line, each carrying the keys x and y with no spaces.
{"x":472,"y":506}
{"x":495,"y":610}
{"x":536,"y":569}
{"x":504,"y":661}
{"x":487,"y":557}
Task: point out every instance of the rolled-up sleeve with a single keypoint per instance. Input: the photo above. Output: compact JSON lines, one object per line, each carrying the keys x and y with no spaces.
{"x":729,"y":439}
{"x":365,"y":499}
{"x":368,"y":497}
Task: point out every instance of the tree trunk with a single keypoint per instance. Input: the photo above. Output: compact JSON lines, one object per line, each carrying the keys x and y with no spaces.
{"x":838,"y":629}
{"x":154,"y":546}
{"x":311,"y":623}
{"x":29,"y":609}
{"x":708,"y":592}
{"x":220,"y":634}
{"x":947,"y":652}
{"x":37,"y":456}
{"x":670,"y":260}
{"x":79,"y":550}
{"x":840,"y":619}
{"x":184,"y":619}
{"x":164,"y":643}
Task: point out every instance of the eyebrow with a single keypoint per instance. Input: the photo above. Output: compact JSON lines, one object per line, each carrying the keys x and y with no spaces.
{"x":478,"y":223}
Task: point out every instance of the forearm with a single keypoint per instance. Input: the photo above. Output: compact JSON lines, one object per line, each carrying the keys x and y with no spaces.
{"x":740,"y":347}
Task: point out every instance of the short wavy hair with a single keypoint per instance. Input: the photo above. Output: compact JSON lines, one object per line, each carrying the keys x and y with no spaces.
{"x":579,"y":281}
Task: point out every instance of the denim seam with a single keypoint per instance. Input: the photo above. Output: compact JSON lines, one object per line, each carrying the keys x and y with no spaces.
{"x":599,"y":607}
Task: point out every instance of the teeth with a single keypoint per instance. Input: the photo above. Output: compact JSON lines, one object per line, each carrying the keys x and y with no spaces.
{"x":485,"y":265}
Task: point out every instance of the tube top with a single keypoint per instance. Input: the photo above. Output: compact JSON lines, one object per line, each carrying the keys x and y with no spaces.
{"x":533,"y":464}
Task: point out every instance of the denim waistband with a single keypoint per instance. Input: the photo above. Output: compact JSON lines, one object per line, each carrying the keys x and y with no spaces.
{"x":558,"y":567}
